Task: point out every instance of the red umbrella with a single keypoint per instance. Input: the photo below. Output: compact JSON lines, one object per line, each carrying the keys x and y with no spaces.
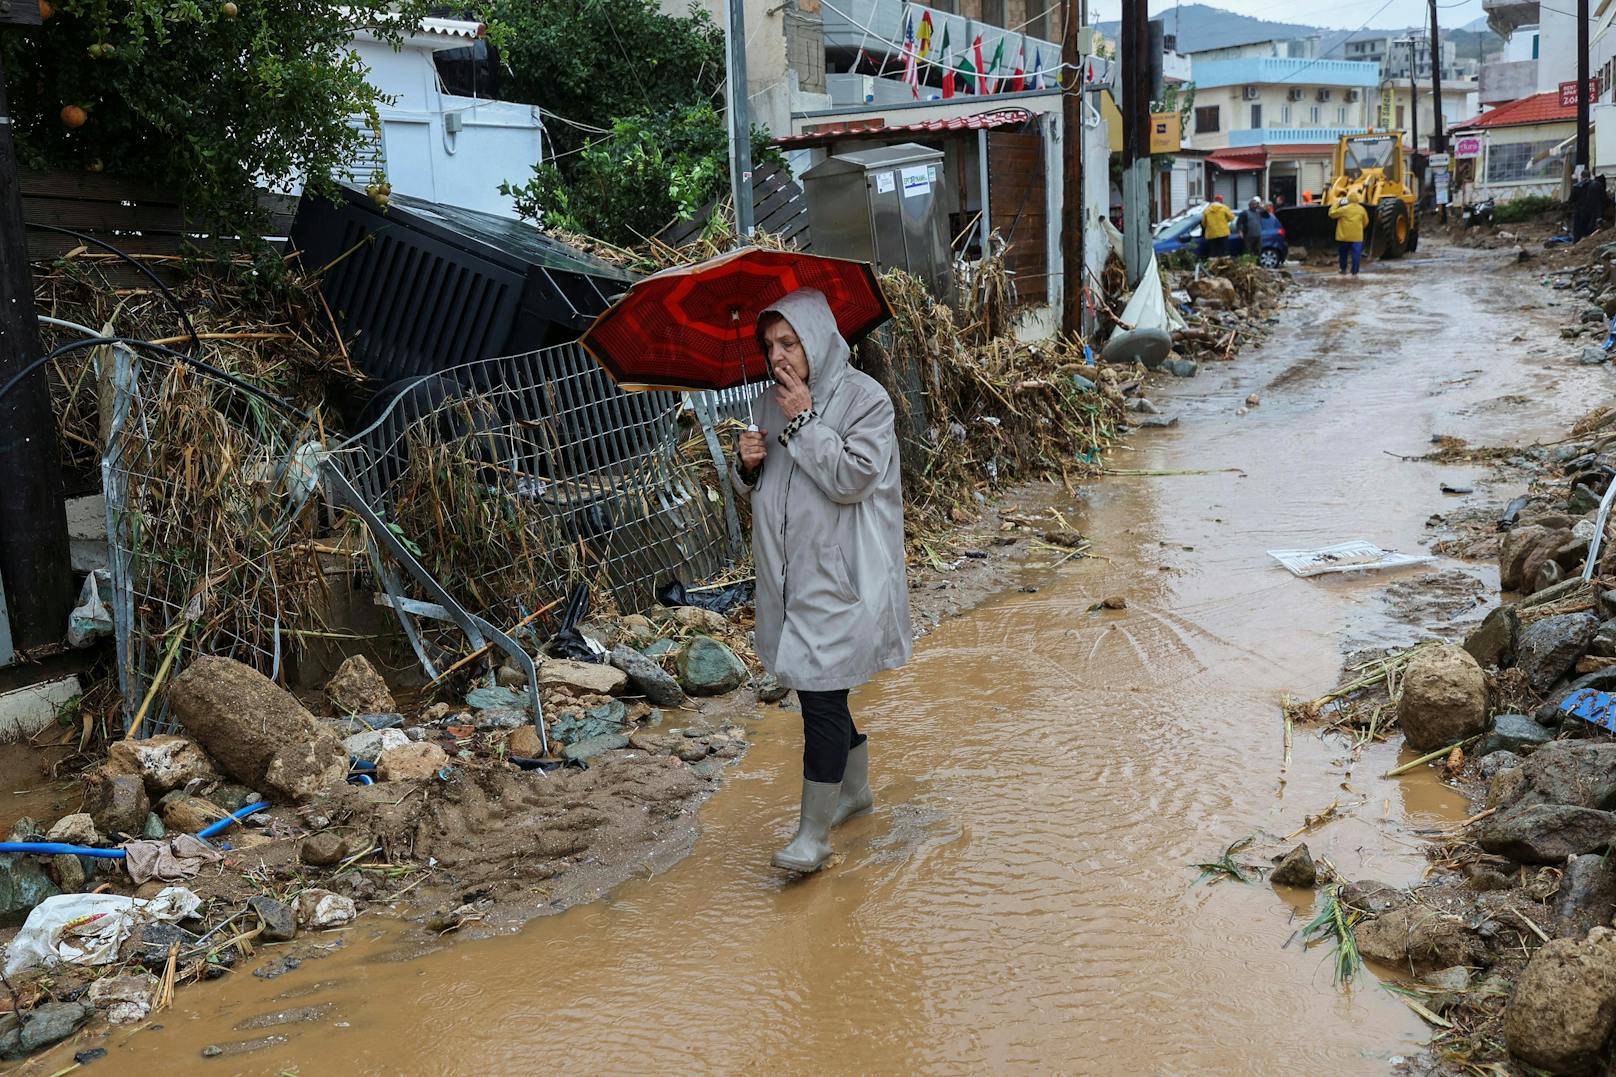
{"x":693,"y":327}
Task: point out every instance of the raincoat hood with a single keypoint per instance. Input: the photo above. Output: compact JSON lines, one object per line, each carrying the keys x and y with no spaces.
{"x":809,"y":314}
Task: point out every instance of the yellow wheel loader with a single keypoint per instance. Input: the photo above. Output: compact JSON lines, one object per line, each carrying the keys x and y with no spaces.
{"x":1368,"y":169}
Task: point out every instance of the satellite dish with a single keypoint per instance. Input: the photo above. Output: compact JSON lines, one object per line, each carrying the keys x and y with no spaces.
{"x":1149,"y":346}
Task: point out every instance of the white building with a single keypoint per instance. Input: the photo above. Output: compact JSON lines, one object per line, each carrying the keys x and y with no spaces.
{"x":438,"y":146}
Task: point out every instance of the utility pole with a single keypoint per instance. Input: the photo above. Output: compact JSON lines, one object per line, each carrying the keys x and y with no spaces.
{"x":34,"y":566}
{"x":1582,"y":84}
{"x":1073,"y":215}
{"x":1135,"y":137}
{"x":740,"y":121}
{"x":1439,"y":138}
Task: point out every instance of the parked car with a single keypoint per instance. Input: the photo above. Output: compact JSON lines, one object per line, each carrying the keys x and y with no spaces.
{"x":1184,"y":233}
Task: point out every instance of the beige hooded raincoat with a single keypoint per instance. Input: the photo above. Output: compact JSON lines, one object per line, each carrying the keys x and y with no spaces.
{"x":827,"y":522}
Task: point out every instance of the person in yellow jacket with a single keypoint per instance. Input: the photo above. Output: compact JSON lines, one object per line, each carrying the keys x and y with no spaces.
{"x":1351,"y":219}
{"x":1215,"y":221}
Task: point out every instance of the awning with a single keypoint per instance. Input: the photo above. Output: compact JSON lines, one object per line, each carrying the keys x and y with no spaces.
{"x":1239,"y":160}
{"x":877,"y":127}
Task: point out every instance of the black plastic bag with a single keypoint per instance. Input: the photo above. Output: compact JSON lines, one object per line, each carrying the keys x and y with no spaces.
{"x":721,"y":600}
{"x":569,"y":642}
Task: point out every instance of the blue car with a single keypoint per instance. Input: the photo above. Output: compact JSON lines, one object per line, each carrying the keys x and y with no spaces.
{"x":1184,"y":234}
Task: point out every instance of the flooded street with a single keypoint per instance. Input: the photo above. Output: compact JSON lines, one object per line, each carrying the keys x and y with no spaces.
{"x":1023,"y":897}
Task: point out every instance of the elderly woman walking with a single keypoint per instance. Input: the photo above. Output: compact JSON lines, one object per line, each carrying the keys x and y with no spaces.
{"x":821,"y":468}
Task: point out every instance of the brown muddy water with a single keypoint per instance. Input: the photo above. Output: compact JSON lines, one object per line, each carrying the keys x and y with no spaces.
{"x":1022,"y":900}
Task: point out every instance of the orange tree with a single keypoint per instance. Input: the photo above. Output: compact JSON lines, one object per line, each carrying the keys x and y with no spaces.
{"x":212,"y":99}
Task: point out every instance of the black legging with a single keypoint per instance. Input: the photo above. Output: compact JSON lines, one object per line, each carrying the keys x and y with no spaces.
{"x":828,"y":734}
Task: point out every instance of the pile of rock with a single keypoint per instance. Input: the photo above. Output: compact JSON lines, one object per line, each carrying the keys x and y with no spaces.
{"x":1228,"y":306}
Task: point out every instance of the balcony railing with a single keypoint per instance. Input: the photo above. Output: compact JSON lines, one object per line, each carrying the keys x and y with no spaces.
{"x":1294,"y":136}
{"x":876,"y":26}
{"x":1284,"y":70}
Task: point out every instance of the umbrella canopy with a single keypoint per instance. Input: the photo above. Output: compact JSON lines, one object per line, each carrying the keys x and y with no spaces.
{"x":693,"y":327}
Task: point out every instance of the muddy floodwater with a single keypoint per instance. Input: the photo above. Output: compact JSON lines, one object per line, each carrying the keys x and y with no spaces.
{"x":1023,"y":899}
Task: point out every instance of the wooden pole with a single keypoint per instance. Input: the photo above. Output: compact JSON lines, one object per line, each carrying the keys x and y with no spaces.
{"x":1072,"y":216}
{"x":34,"y":565}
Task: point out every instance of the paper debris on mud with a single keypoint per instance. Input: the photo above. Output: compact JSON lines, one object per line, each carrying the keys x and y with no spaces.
{"x":1345,"y":557}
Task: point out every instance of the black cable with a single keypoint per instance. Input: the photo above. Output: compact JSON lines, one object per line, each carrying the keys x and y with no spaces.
{"x":132,"y":260}
{"x":206,"y":368}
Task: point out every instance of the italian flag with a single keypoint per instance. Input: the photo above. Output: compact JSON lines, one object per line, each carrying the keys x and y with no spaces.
{"x":947,"y":54}
{"x":981,"y":66}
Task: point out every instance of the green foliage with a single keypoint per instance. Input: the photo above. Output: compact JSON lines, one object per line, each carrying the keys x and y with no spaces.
{"x":1526,"y":207}
{"x":210,"y":99}
{"x":654,"y":81}
{"x":628,"y":185}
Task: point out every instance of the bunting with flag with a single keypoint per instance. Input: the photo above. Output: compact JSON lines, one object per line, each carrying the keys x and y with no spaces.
{"x":947,"y":54}
{"x":994,"y":65}
{"x":1018,"y":81}
{"x":924,"y":35}
{"x":981,"y":66}
{"x":911,"y":71}
{"x":1037,"y":82}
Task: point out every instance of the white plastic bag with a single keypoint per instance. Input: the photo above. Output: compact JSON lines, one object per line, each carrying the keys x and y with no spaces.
{"x":87,"y":929}
{"x":1150,"y":308}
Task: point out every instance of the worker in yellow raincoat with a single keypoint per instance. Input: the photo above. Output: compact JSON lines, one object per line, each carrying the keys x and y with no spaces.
{"x":1351,"y":221}
{"x":1215,"y":221}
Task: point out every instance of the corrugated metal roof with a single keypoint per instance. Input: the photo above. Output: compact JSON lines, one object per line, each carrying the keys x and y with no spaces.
{"x":1243,"y":159}
{"x":1539,"y":108}
{"x":879,"y":128}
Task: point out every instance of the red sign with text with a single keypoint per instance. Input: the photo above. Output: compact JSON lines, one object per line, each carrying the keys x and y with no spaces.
{"x":1568,"y":92}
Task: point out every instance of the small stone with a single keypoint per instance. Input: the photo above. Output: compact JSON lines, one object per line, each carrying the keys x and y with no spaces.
{"x":1455,"y":979}
{"x":154,"y":829}
{"x":27,"y":828}
{"x":1414,"y":934}
{"x":524,"y":743}
{"x":1115,"y":602}
{"x":1142,"y":405}
{"x":68,"y":871}
{"x":1591,"y":355}
{"x":77,"y":829}
{"x":636,"y":631}
{"x":324,"y":849}
{"x":488,"y":699}
{"x":370,"y":746}
{"x":1253,"y":400}
{"x":488,"y":721}
{"x":356,"y":688}
{"x":321,"y":909}
{"x":1603,"y":645}
{"x":1158,"y":422}
{"x":126,"y":998}
{"x":233,"y":797}
{"x":593,"y":746}
{"x":708,"y":668}
{"x":51,"y":1023}
{"x":1586,"y":897}
{"x":508,"y":676}
{"x":1182,"y":368}
{"x":1492,"y":643}
{"x":1295,"y":869}
{"x":1514,"y":733}
{"x":411,"y":762}
{"x":280,"y":922}
{"x":691,"y":751}
{"x":188,"y":814}
{"x":117,"y":803}
{"x":647,"y":678}
{"x":1496,"y":763}
{"x":212,"y":1050}
{"x":770,"y":690}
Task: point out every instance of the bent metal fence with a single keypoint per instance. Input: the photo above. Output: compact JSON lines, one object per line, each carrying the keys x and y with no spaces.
{"x":483,"y":492}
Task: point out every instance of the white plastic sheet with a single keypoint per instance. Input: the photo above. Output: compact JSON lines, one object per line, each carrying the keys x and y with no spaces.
{"x":87,"y":929}
{"x":1345,"y":557}
{"x":1149,"y":307}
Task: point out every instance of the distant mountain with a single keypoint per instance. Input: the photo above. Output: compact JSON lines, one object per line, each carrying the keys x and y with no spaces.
{"x":1202,"y":26}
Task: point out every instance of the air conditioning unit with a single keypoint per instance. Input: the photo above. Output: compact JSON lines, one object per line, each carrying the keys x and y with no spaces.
{"x":1295,"y":95}
{"x":1324,"y":95}
{"x":1352,"y":95}
{"x":1251,"y":93}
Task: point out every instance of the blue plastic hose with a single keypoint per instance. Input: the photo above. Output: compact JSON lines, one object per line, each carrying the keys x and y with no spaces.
{"x":57,"y":848}
{"x":361,"y":779}
{"x":232,"y":819}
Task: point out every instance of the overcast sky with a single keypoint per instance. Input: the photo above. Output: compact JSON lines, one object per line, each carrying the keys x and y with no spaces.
{"x":1347,"y":15}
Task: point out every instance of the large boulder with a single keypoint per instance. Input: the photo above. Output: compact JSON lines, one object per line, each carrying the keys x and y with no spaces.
{"x":1416,"y":935}
{"x":708,"y":668}
{"x":1549,"y":648}
{"x":1520,"y":543}
{"x":164,"y":762}
{"x":1444,"y":697}
{"x":259,"y":734}
{"x":1213,"y":291}
{"x":23,"y":884}
{"x":649,"y":679}
{"x":356,"y":688}
{"x":1564,"y":1004}
{"x":1547,"y":833}
{"x":588,"y":677}
{"x":44,"y":1025}
{"x":1576,"y":772}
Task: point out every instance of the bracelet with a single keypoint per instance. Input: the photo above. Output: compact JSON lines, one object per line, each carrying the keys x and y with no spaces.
{"x":795,"y":425}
